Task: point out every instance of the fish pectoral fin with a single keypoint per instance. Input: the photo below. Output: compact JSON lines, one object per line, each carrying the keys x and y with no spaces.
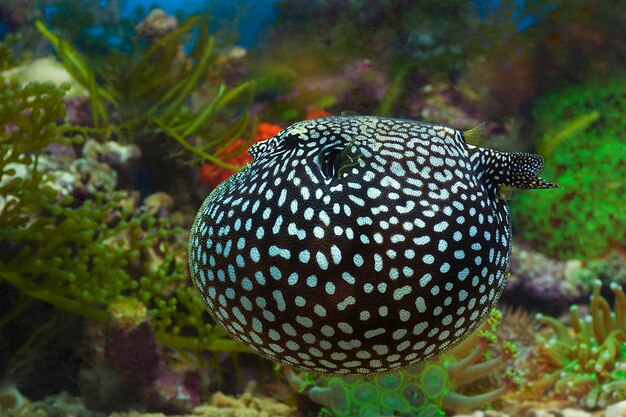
{"x":510,"y":169}
{"x":526,"y":181}
{"x":524,"y":169}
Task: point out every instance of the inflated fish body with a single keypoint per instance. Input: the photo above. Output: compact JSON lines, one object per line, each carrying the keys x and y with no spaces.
{"x":358,"y":244}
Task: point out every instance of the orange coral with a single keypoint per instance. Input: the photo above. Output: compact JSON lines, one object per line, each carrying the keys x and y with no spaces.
{"x":212,"y":175}
{"x":266,"y":131}
{"x":316,"y":113}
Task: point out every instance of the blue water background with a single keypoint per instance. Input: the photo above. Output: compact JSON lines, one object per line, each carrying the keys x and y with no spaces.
{"x":252,"y":16}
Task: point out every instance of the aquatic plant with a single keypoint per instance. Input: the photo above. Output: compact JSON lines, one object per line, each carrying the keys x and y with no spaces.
{"x":423,"y":390}
{"x":96,"y":27}
{"x":81,"y":252}
{"x":586,"y":218}
{"x":167,"y":102}
{"x":7,"y":56}
{"x":587,"y":360}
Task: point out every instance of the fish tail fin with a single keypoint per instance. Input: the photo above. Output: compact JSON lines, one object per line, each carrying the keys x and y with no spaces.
{"x":509,"y":169}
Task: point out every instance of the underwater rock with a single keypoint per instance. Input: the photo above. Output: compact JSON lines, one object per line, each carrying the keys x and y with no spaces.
{"x":132,"y":347}
{"x":609,"y":268}
{"x":111,"y":152}
{"x":156,"y":25}
{"x":19,"y":13}
{"x":440,"y":102}
{"x":364,"y":86}
{"x":78,"y":110}
{"x":58,"y":405}
{"x":87,"y":174}
{"x":69,"y":175}
{"x":45,"y":69}
{"x":175,"y":392}
{"x":130,"y":367}
{"x":122,"y":158}
{"x":249,"y":404}
{"x":538,"y":282}
{"x":232,"y":65}
{"x":11,"y":399}
{"x":616,"y":410}
{"x":158,"y":204}
{"x":130,"y":342}
{"x":106,"y":389}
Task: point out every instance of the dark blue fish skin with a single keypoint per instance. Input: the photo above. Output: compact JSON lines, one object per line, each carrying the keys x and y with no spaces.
{"x":358,"y":244}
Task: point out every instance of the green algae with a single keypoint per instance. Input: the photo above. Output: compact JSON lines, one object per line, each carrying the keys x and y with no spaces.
{"x":584,"y":154}
{"x":80,"y":254}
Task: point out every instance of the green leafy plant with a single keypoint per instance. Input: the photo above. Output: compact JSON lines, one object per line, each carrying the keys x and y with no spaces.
{"x":81,"y":254}
{"x":156,"y":95}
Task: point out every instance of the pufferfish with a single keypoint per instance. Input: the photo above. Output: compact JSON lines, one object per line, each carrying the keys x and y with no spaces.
{"x":358,"y":244}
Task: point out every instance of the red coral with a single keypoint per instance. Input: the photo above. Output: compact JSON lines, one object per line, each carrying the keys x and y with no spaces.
{"x":212,"y":175}
{"x":266,"y":131}
{"x":316,"y":113}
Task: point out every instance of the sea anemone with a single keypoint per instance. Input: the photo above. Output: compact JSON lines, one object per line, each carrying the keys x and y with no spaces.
{"x":588,"y":359}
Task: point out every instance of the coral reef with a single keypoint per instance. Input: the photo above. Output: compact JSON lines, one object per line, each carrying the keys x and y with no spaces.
{"x":586,"y":218}
{"x":608,"y":269}
{"x":70,"y":238}
{"x":128,"y":366}
{"x":423,"y":390}
{"x":104,"y":145}
{"x":586,"y":362}
{"x":251,"y":403}
{"x":156,"y":25}
{"x":155,"y":98}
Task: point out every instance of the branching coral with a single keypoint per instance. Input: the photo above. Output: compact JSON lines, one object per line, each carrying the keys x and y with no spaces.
{"x":423,"y":390}
{"x":588,"y":359}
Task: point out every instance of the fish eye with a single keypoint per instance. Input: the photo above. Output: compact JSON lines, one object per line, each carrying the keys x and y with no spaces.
{"x":291,"y":141}
{"x":329,"y":162}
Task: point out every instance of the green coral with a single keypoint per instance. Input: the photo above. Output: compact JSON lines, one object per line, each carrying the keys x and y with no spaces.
{"x":81,"y":254}
{"x":586,"y":218}
{"x":587,"y":359}
{"x":423,"y":390}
